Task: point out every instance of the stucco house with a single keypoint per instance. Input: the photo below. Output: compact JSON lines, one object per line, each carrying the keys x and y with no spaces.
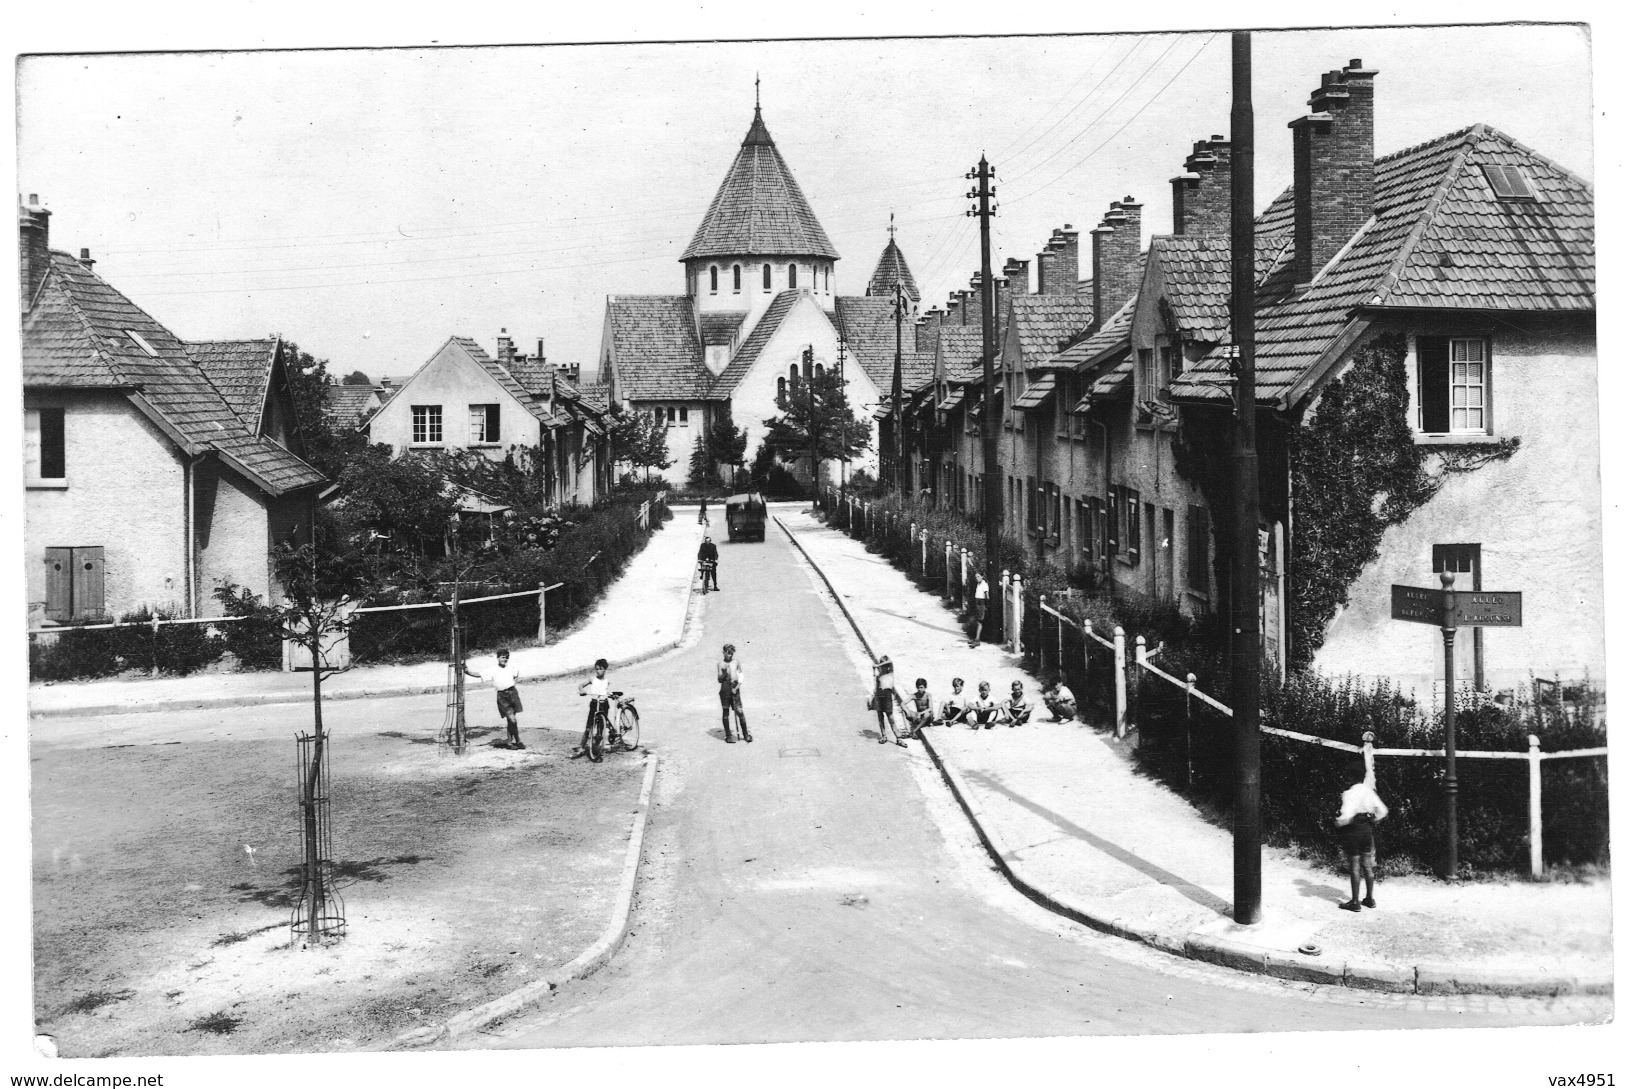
{"x":155,"y":470}
{"x":759,"y":290}
{"x":462,"y":398}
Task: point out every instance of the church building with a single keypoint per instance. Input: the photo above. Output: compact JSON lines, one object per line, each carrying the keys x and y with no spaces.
{"x":759,"y":290}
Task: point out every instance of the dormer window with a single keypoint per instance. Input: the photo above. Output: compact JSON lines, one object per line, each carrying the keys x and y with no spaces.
{"x":1508,"y":183}
{"x":713,"y":279}
{"x":792,"y":283}
{"x":767,"y":277}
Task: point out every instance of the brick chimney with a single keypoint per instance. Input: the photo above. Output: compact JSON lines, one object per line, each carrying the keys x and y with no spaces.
{"x":1202,"y":193}
{"x":1015,"y":275}
{"x":1332,"y":153}
{"x":1063,"y":243}
{"x":1116,"y":244}
{"x":927,"y":331}
{"x":85,"y":259}
{"x":1046,"y":271}
{"x":505,"y":353}
{"x":34,"y":250}
{"x":972,"y":310}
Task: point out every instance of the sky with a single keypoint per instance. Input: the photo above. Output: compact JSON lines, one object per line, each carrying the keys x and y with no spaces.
{"x":371,"y":203}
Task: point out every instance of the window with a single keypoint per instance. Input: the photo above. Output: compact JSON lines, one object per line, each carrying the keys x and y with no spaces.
{"x":781,"y":387}
{"x":74,"y":588}
{"x":426,"y":428}
{"x":736,"y":279}
{"x":795,"y":374}
{"x":819,"y":370}
{"x":682,"y":415}
{"x":1508,"y":183}
{"x":45,"y":441}
{"x":713,"y":279}
{"x":1453,"y":385}
{"x":1197,"y":535}
{"x":1171,"y":366}
{"x":792,"y":276}
{"x":484,"y":423}
{"x":1458,"y":559}
{"x":767,"y":276}
{"x":1126,"y":523}
{"x":1144,"y":378}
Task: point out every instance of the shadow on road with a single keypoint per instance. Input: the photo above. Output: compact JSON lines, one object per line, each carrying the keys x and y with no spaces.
{"x":1190,"y":891}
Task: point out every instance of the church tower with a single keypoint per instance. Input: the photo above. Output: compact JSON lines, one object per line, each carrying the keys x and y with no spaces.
{"x":892,"y":271}
{"x":759,"y":238}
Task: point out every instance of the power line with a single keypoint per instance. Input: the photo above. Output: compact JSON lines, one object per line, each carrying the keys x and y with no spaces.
{"x":1007,"y":156}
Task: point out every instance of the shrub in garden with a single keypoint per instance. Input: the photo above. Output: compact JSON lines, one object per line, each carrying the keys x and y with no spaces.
{"x":174,"y":648}
{"x":254,"y":641}
{"x":73,"y":655}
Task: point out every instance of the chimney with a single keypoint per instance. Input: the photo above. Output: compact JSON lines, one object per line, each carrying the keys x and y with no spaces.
{"x":972,"y":310}
{"x":1116,"y":244}
{"x":505,"y":352}
{"x":85,"y":259}
{"x":1064,"y":244}
{"x":926,"y":333}
{"x":34,"y":252}
{"x":1202,"y":193}
{"x":1015,"y":274}
{"x":572,"y":373}
{"x":1046,"y":271}
{"x":1332,"y":153}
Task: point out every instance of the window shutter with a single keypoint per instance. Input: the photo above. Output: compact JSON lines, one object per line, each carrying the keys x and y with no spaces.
{"x":1111,"y":519}
{"x":1086,"y":528}
{"x":493,"y":423}
{"x":1433,"y":383}
{"x":1131,"y":515}
{"x":58,"y":583}
{"x":88,"y":587}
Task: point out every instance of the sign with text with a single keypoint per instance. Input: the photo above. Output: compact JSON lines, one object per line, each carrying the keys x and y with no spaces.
{"x":1418,"y":604}
{"x":1489,"y":609}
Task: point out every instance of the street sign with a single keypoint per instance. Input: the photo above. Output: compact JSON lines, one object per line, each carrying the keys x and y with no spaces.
{"x":1418,"y":604}
{"x":1489,"y":609}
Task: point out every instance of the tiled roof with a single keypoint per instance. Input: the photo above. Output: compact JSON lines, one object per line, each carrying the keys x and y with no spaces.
{"x":346,"y":405}
{"x":1196,"y":284}
{"x":596,"y":395}
{"x":655,"y":348}
{"x":1439,"y":239}
{"x":892,"y":269}
{"x":1044,"y":324}
{"x":720,"y":328}
{"x":1037,"y":391}
{"x":77,"y":311}
{"x":240,"y":370}
{"x":869,"y":327}
{"x":507,"y":381}
{"x":531,"y":375}
{"x":759,"y":209}
{"x":751,"y":350}
{"x":1110,"y":337}
{"x":961,"y":349}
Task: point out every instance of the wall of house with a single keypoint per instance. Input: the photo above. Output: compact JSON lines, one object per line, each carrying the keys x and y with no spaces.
{"x":453,"y":381}
{"x":680,"y":438}
{"x":1537,"y":516}
{"x":126,"y":489}
{"x":234,"y":535}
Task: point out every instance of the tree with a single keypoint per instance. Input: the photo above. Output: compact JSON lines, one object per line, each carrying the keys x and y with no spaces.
{"x":816,"y":408}
{"x":325,"y":448}
{"x":641,"y":442}
{"x":725,"y":441}
{"x":702,"y":466}
{"x":398,"y":504}
{"x":357,"y":378}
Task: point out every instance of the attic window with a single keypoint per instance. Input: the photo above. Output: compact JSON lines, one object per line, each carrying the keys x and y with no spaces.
{"x":141,"y":342}
{"x":1508,"y":183}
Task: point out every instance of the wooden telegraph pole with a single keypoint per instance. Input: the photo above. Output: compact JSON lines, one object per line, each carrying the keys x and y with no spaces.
{"x":992,"y":480}
{"x":1244,"y":660}
{"x":899,"y":474}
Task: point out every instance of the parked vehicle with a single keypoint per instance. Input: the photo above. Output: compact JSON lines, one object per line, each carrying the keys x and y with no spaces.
{"x":747,"y":517}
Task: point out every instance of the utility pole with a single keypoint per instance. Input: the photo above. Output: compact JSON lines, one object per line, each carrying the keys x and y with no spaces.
{"x":1244,"y":600}
{"x":840,"y":369}
{"x":898,"y":474}
{"x":992,"y":480}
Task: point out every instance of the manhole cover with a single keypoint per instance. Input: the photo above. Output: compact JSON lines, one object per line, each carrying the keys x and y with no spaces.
{"x":798,"y":752}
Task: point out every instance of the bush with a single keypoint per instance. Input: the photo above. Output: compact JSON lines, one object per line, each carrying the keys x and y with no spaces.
{"x":174,"y":648}
{"x":255,"y":641}
{"x":74,"y":655}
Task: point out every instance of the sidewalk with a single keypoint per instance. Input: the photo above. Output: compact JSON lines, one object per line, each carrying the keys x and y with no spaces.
{"x":641,"y":615}
{"x":1073,"y":826}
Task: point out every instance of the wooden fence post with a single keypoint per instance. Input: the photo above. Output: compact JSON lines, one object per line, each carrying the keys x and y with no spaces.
{"x":964,"y":576}
{"x":947,"y":570}
{"x":541,"y":620}
{"x":925,"y":563}
{"x":1368,"y":746}
{"x":1190,"y":687}
{"x":1018,"y":611}
{"x":1120,"y":680}
{"x":1041,"y":599}
{"x":1537,"y":832}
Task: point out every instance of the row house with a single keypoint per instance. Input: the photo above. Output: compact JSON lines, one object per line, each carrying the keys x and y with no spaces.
{"x":462,"y":398}
{"x":1467,"y":260}
{"x":155,"y":469}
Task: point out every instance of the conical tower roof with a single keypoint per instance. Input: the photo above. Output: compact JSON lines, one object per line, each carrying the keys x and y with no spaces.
{"x":759,"y":209}
{"x":892,"y":270}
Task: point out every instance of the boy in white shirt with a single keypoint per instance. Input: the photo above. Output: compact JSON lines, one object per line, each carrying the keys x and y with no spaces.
{"x":596,"y":686}
{"x":1061,"y":703}
{"x":983,"y":711}
{"x":1017,"y":709}
{"x":506,"y":682}
{"x":730,"y":675}
{"x":1357,"y":819}
{"x":953,"y":707}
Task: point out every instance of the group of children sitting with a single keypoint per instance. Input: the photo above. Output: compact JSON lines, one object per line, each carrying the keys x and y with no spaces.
{"x":920,"y":708}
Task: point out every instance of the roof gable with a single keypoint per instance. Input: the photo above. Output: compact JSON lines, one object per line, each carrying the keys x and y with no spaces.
{"x":240,"y":370}
{"x":759,"y":208}
{"x":1044,"y":324}
{"x":892,"y":270}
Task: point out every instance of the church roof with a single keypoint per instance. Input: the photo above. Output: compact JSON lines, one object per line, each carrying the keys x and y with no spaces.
{"x":868,"y":325}
{"x":759,"y":209}
{"x":892,"y":270}
{"x":654,"y":347}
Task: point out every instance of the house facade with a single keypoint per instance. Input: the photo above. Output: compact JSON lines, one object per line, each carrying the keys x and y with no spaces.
{"x":155,"y":470}
{"x":462,"y":398}
{"x":1455,"y":279}
{"x":759,"y":291}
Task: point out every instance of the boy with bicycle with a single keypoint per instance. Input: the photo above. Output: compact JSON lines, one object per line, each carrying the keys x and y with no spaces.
{"x":596,"y":686}
{"x":730,"y":674}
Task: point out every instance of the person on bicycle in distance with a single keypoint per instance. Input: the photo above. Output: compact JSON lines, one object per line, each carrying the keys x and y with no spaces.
{"x":596,"y":686}
{"x":708,"y":565}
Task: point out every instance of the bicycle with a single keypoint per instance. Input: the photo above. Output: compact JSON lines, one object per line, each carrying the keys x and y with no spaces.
{"x":708,"y":575}
{"x":622,"y":735}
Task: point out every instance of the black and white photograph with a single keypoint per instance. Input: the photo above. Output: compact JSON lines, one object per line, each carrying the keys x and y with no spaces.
{"x":1159,"y":471}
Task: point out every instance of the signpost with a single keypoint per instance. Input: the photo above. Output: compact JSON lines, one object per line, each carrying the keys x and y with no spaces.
{"x":1449,"y":610}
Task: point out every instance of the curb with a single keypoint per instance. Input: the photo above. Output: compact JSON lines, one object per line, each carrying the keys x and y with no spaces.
{"x":260,"y":699}
{"x":592,"y":959}
{"x":1224,"y":950}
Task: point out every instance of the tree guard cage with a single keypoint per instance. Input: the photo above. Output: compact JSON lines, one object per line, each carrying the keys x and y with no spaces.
{"x":318,"y":914}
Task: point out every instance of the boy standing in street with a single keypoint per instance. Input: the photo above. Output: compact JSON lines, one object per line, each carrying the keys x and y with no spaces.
{"x":1357,"y":834}
{"x":979,"y":608}
{"x":596,"y":686}
{"x":730,"y":673}
{"x":508,"y":702}
{"x":884,"y":699}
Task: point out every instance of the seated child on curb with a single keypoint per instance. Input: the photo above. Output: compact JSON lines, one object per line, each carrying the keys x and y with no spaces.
{"x":918,"y":707}
{"x":982,"y":711}
{"x":1017,"y":709}
{"x":953,"y":708}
